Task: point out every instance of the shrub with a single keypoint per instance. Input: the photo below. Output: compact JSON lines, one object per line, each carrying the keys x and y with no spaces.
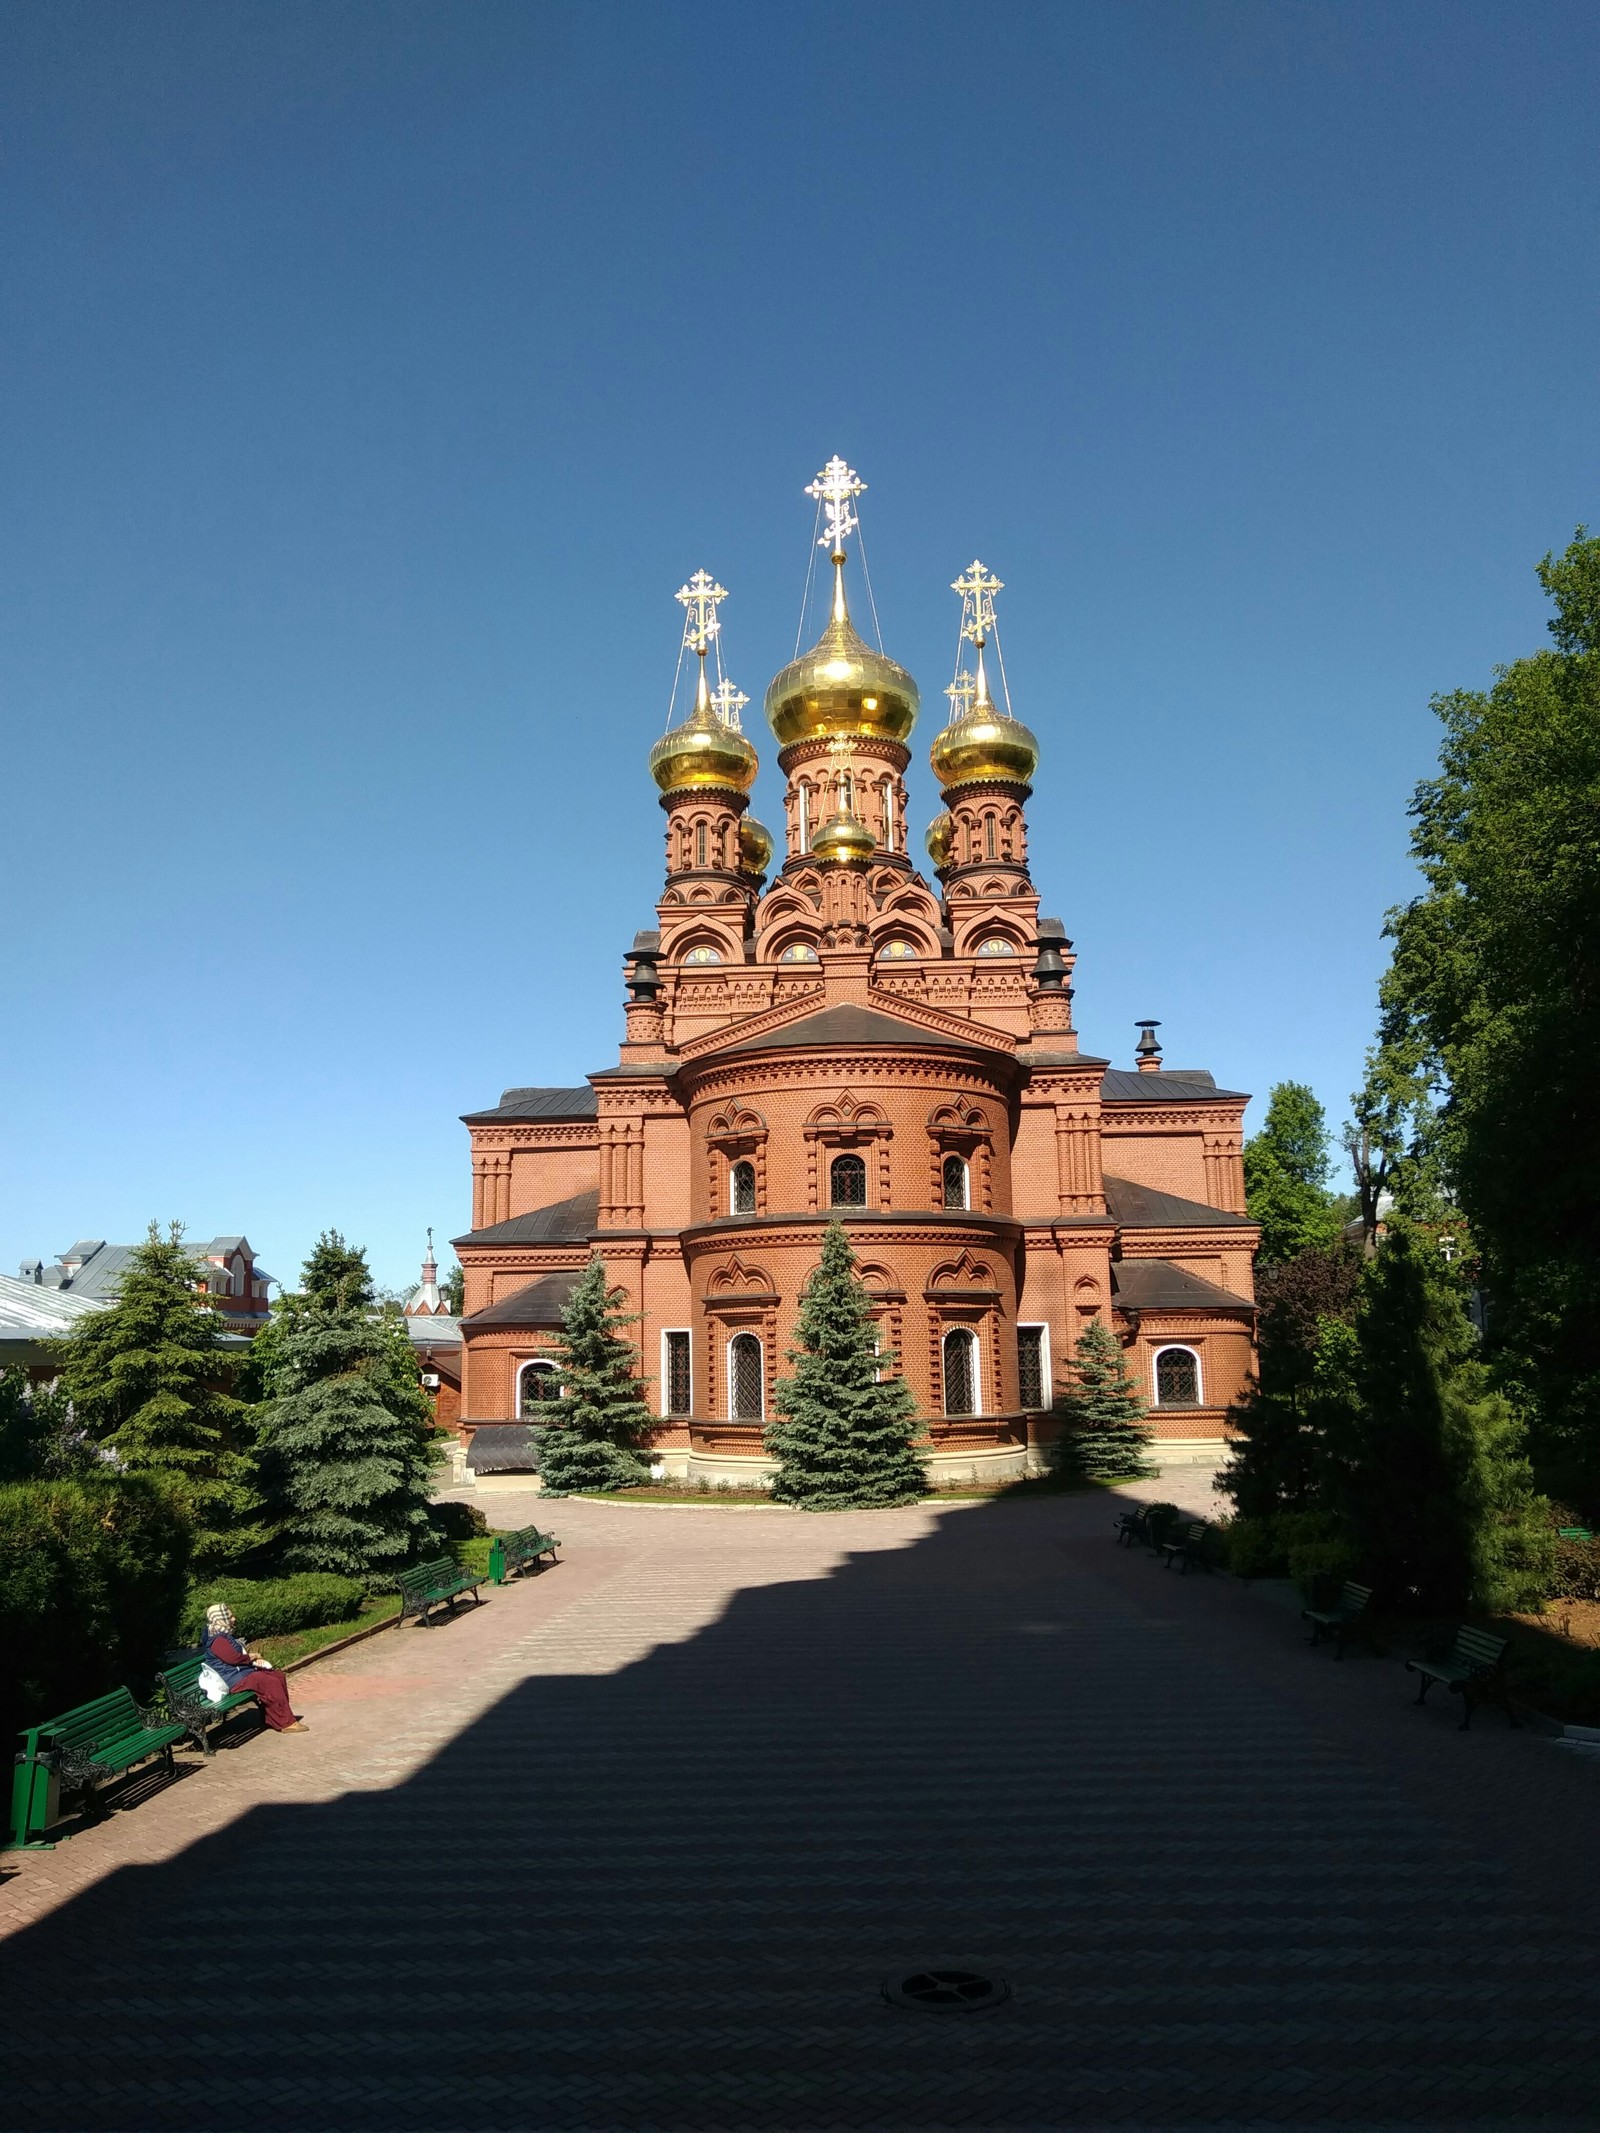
{"x":457,"y":1521}
{"x":92,"y":1581}
{"x":276,"y":1607}
{"x":1320,"y":1567}
{"x":1251,"y":1548}
{"x":1575,"y":1572}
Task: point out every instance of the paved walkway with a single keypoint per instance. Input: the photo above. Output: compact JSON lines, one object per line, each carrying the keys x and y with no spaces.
{"x":637,"y":1844}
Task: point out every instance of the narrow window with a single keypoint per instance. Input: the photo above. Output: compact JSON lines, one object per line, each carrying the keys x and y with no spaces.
{"x":960,"y":1372}
{"x":699,"y":844}
{"x":742,"y":1189}
{"x":1030,"y":1366}
{"x":847,"y":791}
{"x":848,"y":1181}
{"x":1177,"y":1378}
{"x":540,"y":1385}
{"x":804,"y":805}
{"x":676,"y":1372}
{"x":888,"y":817}
{"x":745,"y":1389}
{"x":955,"y":1182}
{"x":988,"y":836}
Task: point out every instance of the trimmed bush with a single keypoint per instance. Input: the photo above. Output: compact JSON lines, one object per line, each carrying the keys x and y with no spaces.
{"x":457,"y":1521}
{"x":92,"y":1582}
{"x":276,"y":1607}
{"x":1251,"y":1548}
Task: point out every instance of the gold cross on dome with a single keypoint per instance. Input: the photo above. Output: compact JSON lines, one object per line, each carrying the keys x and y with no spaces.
{"x":700,"y":598}
{"x":836,"y":489}
{"x":728,"y":702}
{"x":977,"y":588}
{"x":961,"y":692}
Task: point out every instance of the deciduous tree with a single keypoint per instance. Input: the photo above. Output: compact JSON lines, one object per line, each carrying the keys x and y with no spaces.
{"x":1286,"y":1175}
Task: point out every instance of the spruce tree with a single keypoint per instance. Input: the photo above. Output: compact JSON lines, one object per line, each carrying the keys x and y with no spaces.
{"x":336,"y":1276}
{"x":846,"y":1434}
{"x":146,"y":1377}
{"x":348,"y":1445}
{"x":1103,"y":1429}
{"x":597,"y":1431}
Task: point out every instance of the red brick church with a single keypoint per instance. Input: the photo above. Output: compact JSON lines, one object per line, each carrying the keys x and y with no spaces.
{"x":839,"y":1037}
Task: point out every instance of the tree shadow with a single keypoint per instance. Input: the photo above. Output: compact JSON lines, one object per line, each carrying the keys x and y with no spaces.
{"x":671,"y":1895}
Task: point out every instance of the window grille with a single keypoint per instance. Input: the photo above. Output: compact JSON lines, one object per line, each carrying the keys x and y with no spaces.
{"x":747,"y":1393}
{"x":679,"y":1390}
{"x":540,"y":1385}
{"x":1177,"y":1378}
{"x":988,"y":836}
{"x":699,"y":844}
{"x":742,"y":1197}
{"x":1030,"y":1366}
{"x":848,"y":1181}
{"x":960,"y":1373}
{"x":955,"y":1181}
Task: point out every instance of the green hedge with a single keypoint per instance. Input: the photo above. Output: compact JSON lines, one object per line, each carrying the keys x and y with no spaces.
{"x":276,"y":1607}
{"x":92,"y":1582}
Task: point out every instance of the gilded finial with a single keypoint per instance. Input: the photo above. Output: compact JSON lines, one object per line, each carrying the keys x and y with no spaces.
{"x":708,"y":749}
{"x":977,"y":588}
{"x":961,"y":692}
{"x":980,"y":744}
{"x":836,"y":489}
{"x":728,"y":702}
{"x":701,"y":597}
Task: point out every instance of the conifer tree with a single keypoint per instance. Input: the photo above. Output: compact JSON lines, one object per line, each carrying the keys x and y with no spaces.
{"x":1103,"y":1430}
{"x":602,"y":1421}
{"x":846,"y":1434}
{"x":348,"y":1445}
{"x":146,"y":1377}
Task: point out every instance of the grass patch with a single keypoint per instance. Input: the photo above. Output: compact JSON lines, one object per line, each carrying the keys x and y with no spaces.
{"x":280,"y":1650}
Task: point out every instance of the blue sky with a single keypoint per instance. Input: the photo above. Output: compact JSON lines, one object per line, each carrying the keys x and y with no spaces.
{"x":374,"y":374}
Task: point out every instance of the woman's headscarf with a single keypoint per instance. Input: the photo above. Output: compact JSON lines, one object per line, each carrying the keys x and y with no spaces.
{"x":219,"y":1620}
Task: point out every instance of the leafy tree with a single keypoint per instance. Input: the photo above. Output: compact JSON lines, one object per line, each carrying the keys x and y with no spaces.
{"x":1494,"y":991}
{"x":1277,"y":1460}
{"x":1286,"y":1175}
{"x":453,"y":1290}
{"x":348,"y":1447}
{"x":336,"y":1277}
{"x":1426,"y":1459}
{"x":845,"y":1434}
{"x":39,"y":1437}
{"x":603,"y":1419}
{"x":1104,"y":1435}
{"x":146,"y":1377}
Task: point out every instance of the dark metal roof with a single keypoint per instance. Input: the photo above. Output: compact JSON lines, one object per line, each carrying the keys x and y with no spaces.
{"x":538,"y":1103}
{"x":856,"y":1025}
{"x":1175,"y":1085}
{"x":1158,"y":1285}
{"x":504,"y":1448}
{"x":541,"y":1303}
{"x":1142,"y":1207}
{"x":566,"y":1222}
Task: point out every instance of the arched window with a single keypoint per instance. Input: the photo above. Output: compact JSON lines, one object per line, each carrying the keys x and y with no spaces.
{"x":897,"y":952}
{"x":746,"y":1387}
{"x":742,"y":1189}
{"x":988,"y":836}
{"x":847,"y":792}
{"x":961,"y":1371}
{"x":699,"y":844}
{"x":890,"y":827}
{"x":1177,"y":1378}
{"x":955,"y":1182}
{"x":803,"y":810}
{"x":541,"y":1384}
{"x":995,"y":945}
{"x":703,"y":955}
{"x":847,"y":1181}
{"x":798,"y":952}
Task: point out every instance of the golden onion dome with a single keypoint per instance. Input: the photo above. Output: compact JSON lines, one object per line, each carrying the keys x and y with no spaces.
{"x":940,"y":840}
{"x":703,"y":753}
{"x":841,"y":688}
{"x":984,"y":746}
{"x":755,"y":846}
{"x":844,"y":841}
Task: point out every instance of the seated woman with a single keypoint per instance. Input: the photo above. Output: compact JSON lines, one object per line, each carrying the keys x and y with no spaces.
{"x":241,"y":1669}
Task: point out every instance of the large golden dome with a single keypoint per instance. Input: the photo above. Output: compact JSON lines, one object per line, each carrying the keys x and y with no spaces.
{"x":701,"y":754}
{"x":841,"y":687}
{"x":982,"y":747}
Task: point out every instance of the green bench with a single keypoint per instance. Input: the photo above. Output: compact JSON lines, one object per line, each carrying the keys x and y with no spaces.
{"x":1475,"y":1671}
{"x":190,"y":1706}
{"x":1347,"y":1617}
{"x":1188,"y":1546}
{"x":511,"y":1552}
{"x":74,"y":1755}
{"x":437,"y":1584}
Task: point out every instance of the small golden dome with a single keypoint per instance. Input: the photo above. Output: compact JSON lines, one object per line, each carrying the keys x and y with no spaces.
{"x":702,"y":753}
{"x":841,"y":687}
{"x":844,"y":841}
{"x":982,"y":747}
{"x":755,"y":846}
{"x":940,"y":838}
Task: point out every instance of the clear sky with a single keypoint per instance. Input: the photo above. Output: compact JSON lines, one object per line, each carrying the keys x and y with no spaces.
{"x":373,"y":375}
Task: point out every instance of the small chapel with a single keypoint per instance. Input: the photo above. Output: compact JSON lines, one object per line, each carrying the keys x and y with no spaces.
{"x":822,"y":1034}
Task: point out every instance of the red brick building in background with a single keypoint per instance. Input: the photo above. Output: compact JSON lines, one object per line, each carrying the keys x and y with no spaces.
{"x":843,"y":1038}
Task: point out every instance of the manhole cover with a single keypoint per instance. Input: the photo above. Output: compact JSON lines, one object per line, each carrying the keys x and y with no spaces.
{"x":951,"y":1989}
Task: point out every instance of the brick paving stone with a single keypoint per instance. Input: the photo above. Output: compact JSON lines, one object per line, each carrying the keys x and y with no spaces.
{"x":636,"y":1845}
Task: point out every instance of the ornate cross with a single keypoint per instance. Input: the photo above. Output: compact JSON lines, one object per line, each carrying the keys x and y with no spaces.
{"x":700,"y":598}
{"x":836,"y":488}
{"x":729,"y":702}
{"x":977,"y":588}
{"x":961,"y":692}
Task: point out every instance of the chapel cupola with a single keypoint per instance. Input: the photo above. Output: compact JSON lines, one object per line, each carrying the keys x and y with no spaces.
{"x":981,"y":745}
{"x":708,"y":750}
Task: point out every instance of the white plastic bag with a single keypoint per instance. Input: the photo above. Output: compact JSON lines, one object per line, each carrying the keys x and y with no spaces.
{"x":212,"y":1686}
